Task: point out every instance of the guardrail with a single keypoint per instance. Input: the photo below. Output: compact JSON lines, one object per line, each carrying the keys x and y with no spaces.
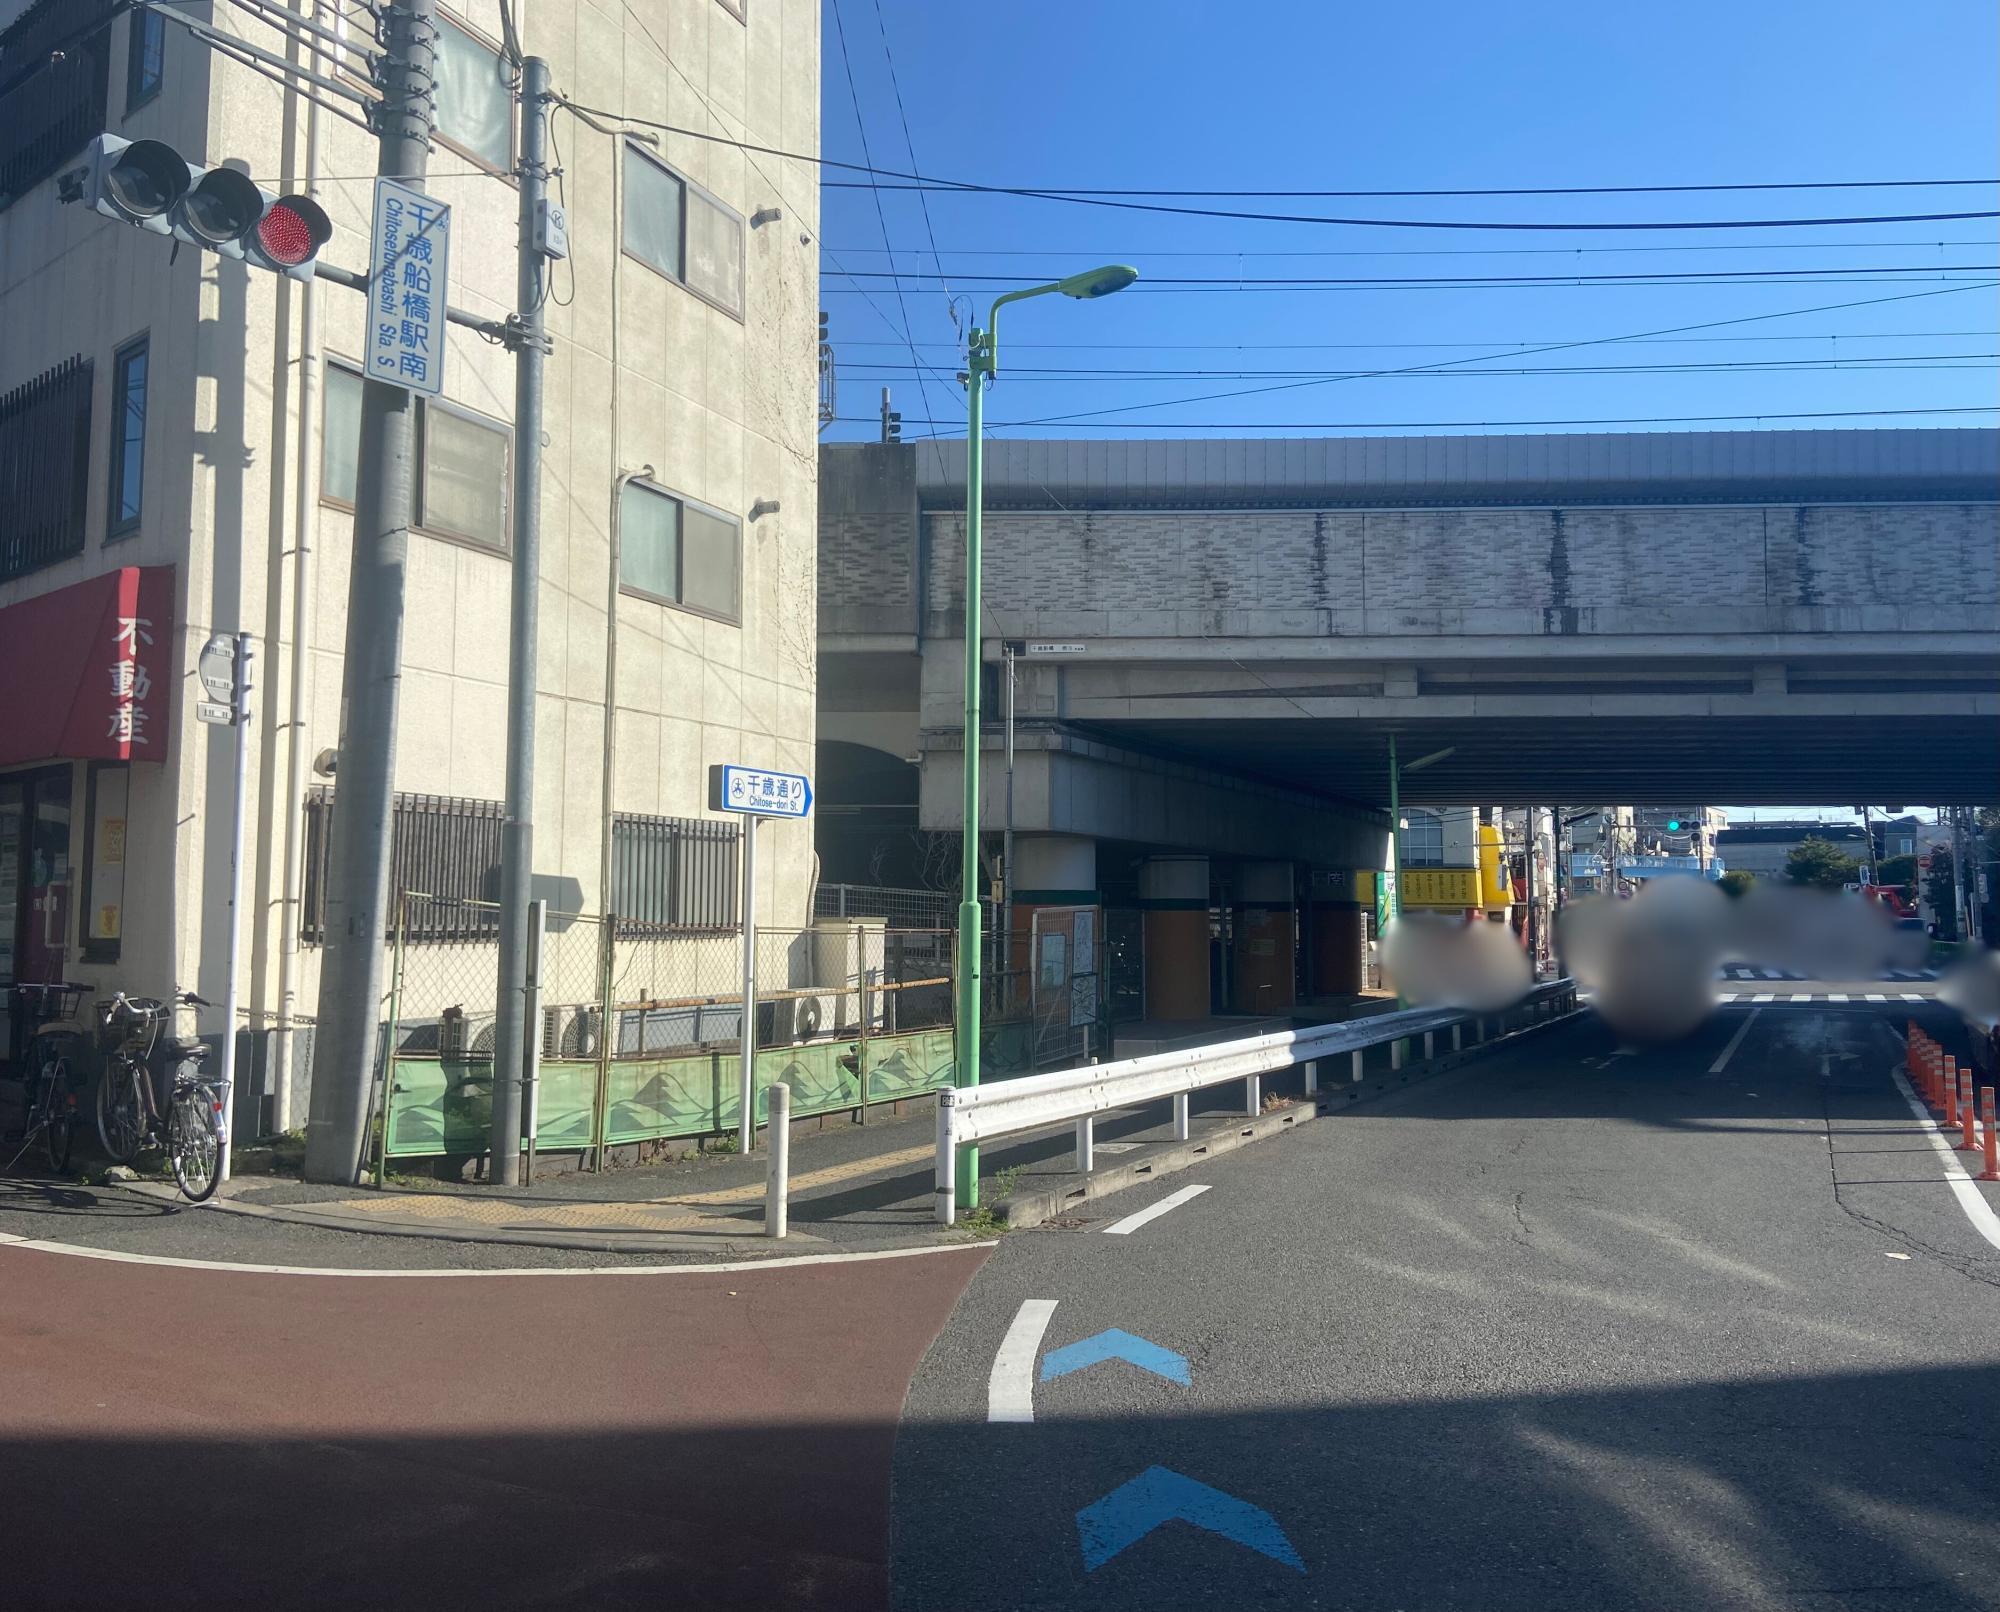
{"x":972,"y":1114}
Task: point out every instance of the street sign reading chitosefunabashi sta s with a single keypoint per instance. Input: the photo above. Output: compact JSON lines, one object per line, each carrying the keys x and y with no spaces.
{"x":407,"y":280}
{"x":758,"y":791}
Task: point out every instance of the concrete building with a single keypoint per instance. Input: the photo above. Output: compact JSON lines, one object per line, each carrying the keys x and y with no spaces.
{"x":154,"y":401}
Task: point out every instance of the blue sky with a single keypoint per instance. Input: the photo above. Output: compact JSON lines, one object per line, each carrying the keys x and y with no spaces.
{"x":1339,"y":96}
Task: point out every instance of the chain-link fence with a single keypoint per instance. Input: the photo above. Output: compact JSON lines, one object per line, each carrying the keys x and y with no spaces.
{"x":640,"y":1038}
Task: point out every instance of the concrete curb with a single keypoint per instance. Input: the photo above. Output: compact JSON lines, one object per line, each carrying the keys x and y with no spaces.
{"x":1038,"y":1207}
{"x":737,"y":1247}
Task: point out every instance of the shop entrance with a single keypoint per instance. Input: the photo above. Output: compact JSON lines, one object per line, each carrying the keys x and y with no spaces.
{"x":36,"y":875}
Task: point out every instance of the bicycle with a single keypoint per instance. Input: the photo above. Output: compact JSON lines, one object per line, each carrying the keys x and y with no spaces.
{"x":128,"y":1118}
{"x":50,"y":1109}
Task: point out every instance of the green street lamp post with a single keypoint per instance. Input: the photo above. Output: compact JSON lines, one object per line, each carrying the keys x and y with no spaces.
{"x":982,"y":361}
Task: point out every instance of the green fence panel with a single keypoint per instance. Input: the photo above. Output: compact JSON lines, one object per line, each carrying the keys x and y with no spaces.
{"x":824,"y":1077}
{"x":656,"y":1097}
{"x":441,"y":1107}
{"x":908,"y":1065}
{"x":564,"y":1109}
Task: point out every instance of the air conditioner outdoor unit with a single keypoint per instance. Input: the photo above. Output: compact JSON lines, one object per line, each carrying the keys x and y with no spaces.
{"x":571,"y":1032}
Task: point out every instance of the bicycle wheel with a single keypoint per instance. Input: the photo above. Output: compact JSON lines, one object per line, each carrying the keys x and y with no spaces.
{"x":58,"y":1113}
{"x":121,"y":1111}
{"x":194,"y":1143}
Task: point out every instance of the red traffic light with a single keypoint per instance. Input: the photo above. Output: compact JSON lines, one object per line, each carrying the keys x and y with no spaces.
{"x":292,"y":230}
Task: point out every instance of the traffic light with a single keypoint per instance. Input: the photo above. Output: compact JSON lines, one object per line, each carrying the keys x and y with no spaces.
{"x":149,"y":184}
{"x":1673,"y":825}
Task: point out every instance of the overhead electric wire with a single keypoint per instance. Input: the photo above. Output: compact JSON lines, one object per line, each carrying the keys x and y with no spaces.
{"x":1479,"y":358}
{"x":910,"y":145}
{"x":1402,"y":346}
{"x":1774,"y":366}
{"x":969,"y":187}
{"x":1541,"y":190}
{"x":1280,"y":427}
{"x":1111,"y":254}
{"x":881,"y":216}
{"x":1321,"y":282}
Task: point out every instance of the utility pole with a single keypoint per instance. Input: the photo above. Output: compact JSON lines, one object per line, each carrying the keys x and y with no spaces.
{"x":517,"y":831}
{"x":357,"y":900}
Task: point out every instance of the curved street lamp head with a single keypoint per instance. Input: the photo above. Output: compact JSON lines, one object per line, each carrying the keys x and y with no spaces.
{"x":1100,"y":282}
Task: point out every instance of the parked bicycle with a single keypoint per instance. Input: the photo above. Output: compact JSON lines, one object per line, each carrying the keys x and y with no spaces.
{"x":129,"y":1099}
{"x":49,"y":1096}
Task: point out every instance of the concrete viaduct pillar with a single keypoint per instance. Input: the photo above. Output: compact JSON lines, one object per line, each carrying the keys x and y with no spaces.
{"x":1173,"y":894}
{"x":1264,"y":968}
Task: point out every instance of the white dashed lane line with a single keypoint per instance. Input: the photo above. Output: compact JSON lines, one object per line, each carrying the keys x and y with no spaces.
{"x":1173,"y":1200}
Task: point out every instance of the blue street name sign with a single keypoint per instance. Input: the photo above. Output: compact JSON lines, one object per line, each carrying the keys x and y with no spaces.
{"x":758,"y":792}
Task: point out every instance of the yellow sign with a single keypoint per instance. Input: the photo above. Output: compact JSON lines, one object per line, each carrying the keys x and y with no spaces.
{"x":1440,"y":887}
{"x":111,"y":840}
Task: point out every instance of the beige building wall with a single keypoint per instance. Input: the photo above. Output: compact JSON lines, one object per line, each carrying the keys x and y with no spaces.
{"x":644,"y":374}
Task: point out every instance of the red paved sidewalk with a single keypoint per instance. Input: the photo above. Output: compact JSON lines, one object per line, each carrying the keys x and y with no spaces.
{"x":189,"y":1438}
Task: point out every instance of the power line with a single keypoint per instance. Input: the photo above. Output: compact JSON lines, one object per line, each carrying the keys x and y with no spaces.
{"x":1541,"y":190}
{"x":881,"y":216}
{"x":1858,"y":365}
{"x":1414,"y":346}
{"x":1479,"y":358}
{"x":1109,"y":254}
{"x":1322,"y":282}
{"x":969,"y":187}
{"x":902,"y":112}
{"x":1581,"y":283}
{"x":1467,"y":425}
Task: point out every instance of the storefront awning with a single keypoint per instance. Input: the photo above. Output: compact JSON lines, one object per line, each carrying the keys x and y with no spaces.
{"x":86,"y":671}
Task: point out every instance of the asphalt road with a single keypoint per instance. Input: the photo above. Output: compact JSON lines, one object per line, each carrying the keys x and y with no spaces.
{"x":1575,"y":1327}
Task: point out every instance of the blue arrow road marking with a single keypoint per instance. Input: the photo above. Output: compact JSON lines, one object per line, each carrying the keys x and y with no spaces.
{"x":1115,"y":1345}
{"x":1133,"y":1510}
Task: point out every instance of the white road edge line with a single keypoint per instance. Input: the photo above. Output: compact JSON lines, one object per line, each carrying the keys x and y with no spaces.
{"x":726,"y":1267}
{"x":1764,"y":996}
{"x":1735,"y":1041}
{"x":1963,"y":1187}
{"x":1802,"y":996}
{"x":1911,"y":996}
{"x":1875,"y":996}
{"x":1173,"y":1200}
{"x":1837,"y":996}
{"x":1010,"y":1387}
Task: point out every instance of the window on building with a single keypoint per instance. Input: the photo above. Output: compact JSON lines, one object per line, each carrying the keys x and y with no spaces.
{"x":1423,"y":841}
{"x":463,"y":475}
{"x":676,"y":227}
{"x":145,"y":58}
{"x":443,"y":847}
{"x":55,"y":72}
{"x":44,"y":468}
{"x":673,"y":874}
{"x":475,"y":106}
{"x":128,"y":438}
{"x":678,"y":552}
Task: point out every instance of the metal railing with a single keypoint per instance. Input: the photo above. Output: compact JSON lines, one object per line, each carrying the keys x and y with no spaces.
{"x":968,"y":1115}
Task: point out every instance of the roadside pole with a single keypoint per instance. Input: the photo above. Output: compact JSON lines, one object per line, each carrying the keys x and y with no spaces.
{"x":1532,"y":929}
{"x":237,"y":714}
{"x":746,"y":1040}
{"x":358,"y":896}
{"x":517,"y":830}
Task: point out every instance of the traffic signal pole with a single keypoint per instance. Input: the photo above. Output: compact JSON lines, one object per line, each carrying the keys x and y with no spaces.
{"x":517,"y":831}
{"x":357,"y":899}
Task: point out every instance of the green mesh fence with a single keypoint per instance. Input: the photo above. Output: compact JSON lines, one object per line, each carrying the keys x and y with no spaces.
{"x":446,"y":1107}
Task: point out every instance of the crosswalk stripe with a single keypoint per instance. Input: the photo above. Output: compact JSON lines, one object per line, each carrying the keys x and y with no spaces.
{"x":1802,"y":996}
{"x":1764,"y":996}
{"x":1836,"y":996}
{"x":1911,"y":996}
{"x":1875,"y":997}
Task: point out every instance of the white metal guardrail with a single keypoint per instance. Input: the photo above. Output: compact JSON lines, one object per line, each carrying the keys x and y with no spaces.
{"x":967,"y":1115}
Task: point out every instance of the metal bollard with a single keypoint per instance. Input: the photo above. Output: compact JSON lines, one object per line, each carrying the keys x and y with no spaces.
{"x":1458,"y":1038}
{"x":778,"y":1165}
{"x":1355,"y":1067}
{"x":1430,"y":1045}
{"x":1181,"y":1131}
{"x":1396,"y":1054}
{"x":1253,"y":1095}
{"x":1312,"y":1076}
{"x":1992,"y":1170}
{"x":1086,"y":1144}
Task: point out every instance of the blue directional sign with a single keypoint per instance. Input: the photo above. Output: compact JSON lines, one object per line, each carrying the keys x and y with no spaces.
{"x":1133,"y":1510}
{"x":758,"y":792}
{"x":407,"y":274}
{"x":1116,"y":1345}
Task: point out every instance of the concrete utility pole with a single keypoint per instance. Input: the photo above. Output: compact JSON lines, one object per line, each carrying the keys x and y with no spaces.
{"x":517,"y":832}
{"x":357,"y":898}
